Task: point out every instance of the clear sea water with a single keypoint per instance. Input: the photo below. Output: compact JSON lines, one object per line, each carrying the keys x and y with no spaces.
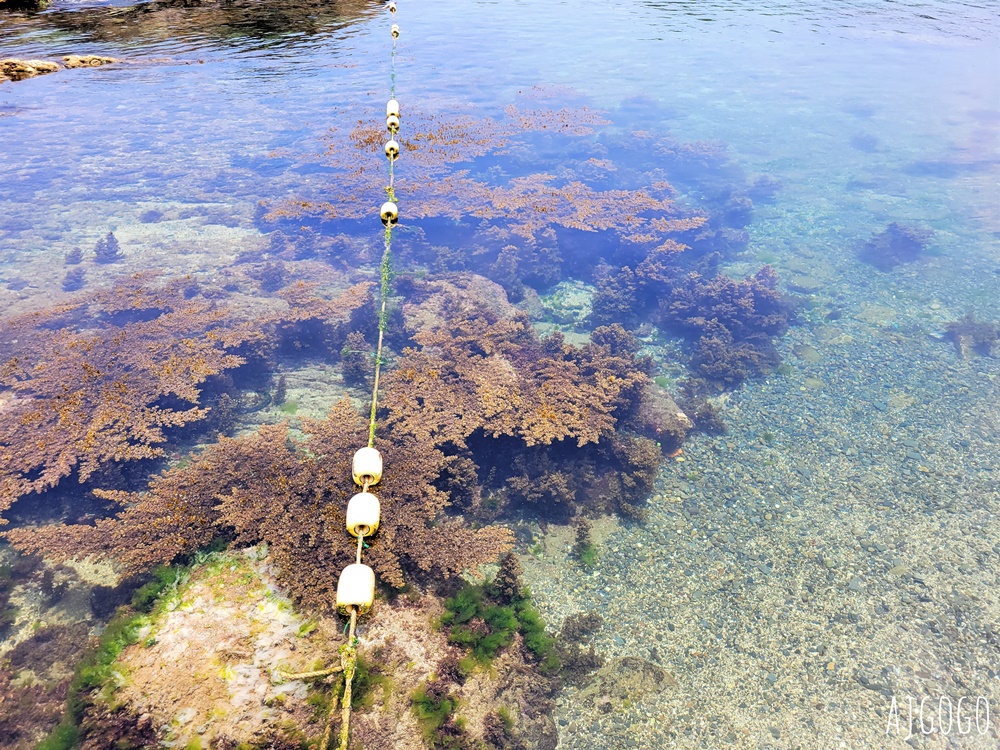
{"x":864,"y":111}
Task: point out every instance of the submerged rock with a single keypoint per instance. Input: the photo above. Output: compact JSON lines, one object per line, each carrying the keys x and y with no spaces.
{"x":661,"y":419}
{"x":625,"y":678}
{"x":18,"y":70}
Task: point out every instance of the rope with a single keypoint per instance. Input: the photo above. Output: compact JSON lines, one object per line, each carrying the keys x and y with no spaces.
{"x":348,"y":651}
{"x":349,"y":660}
{"x":385,"y":270}
{"x":382,"y":319}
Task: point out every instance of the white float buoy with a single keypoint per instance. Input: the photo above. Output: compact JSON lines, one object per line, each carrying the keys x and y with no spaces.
{"x":356,"y":588}
{"x":363,"y":514}
{"x":368,"y":461}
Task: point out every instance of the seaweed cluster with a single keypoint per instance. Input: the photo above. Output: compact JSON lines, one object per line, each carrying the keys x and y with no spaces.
{"x":107,"y":249}
{"x":483,"y":620}
{"x":268,"y":487}
{"x":522,"y":419}
{"x":102,"y":379}
{"x":477,"y":385}
{"x":731,"y":322}
{"x":105,"y":379}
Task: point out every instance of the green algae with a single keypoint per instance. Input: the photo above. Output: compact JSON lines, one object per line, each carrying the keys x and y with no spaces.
{"x":472,"y":607}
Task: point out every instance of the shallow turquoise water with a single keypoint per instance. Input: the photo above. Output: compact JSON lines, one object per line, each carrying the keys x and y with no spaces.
{"x":864,"y":113}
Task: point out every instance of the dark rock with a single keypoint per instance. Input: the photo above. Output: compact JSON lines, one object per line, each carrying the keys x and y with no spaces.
{"x":661,"y":419}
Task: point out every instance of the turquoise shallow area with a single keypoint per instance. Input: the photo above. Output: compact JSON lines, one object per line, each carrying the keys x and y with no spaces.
{"x":839,"y":547}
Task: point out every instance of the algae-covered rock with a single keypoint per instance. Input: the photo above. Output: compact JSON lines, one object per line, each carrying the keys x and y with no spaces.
{"x":18,"y":70}
{"x":212,"y":667}
{"x":208,"y":663}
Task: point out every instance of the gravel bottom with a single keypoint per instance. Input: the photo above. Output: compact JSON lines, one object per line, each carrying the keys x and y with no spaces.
{"x":837,"y":550}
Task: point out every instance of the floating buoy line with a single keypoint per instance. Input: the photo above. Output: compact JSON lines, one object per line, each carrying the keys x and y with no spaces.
{"x":356,"y":586}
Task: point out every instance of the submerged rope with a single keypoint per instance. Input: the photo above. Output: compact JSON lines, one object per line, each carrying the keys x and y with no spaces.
{"x":385,"y":274}
{"x":382,"y":317}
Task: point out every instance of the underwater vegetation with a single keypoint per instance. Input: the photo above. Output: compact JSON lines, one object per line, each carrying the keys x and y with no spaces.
{"x":523,"y":419}
{"x":502,"y":379}
{"x":732,"y":324}
{"x":472,"y":377}
{"x":291,"y":495}
{"x":87,"y":382}
{"x":895,"y":245}
{"x":103,"y":379}
{"x":488,"y":621}
{"x":584,"y":549}
{"x":484,"y":618}
{"x":584,"y":206}
{"x":74,"y":280}
{"x":481,"y":417}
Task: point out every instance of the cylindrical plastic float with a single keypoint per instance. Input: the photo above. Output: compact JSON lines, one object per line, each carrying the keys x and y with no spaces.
{"x":367,"y":463}
{"x":392,"y":108}
{"x":363,"y":514}
{"x":392,"y":123}
{"x":356,"y":588}
{"x":392,"y":149}
{"x":389,"y":213}
{"x":395,"y":30}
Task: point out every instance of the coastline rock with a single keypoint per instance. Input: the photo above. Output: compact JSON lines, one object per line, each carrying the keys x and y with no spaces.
{"x":18,"y":70}
{"x":87,"y":61}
